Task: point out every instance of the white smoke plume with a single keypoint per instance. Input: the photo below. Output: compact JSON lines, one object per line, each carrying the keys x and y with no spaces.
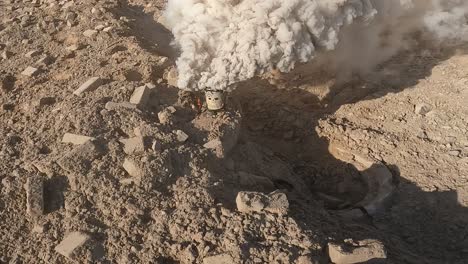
{"x":223,"y":42}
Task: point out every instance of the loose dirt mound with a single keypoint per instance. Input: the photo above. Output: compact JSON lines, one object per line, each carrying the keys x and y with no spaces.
{"x":146,"y":176}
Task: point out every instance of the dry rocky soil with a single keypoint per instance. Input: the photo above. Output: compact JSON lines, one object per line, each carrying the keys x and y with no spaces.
{"x":102,"y":160}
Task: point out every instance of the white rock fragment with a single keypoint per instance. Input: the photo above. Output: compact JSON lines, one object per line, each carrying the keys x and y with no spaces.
{"x":71,"y":243}
{"x":218,"y":259}
{"x":75,"y":139}
{"x":133,"y":145}
{"x":107,"y":29}
{"x":90,"y":84}
{"x":422,"y":109}
{"x":112,"y":106}
{"x":364,"y":251}
{"x":34,"y":196}
{"x":275,"y":202}
{"x":181,"y":136}
{"x":165,"y":116}
{"x":140,"y":96}
{"x":132,"y":168}
{"x":99,"y":27}
{"x":74,"y":47}
{"x":33,"y":53}
{"x":30,"y":71}
{"x":5,"y":55}
{"x":90,"y":33}
{"x":45,"y":60}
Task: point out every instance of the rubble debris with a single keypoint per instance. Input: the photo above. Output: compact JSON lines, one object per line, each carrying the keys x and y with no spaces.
{"x":133,"y":145}
{"x":72,"y":243}
{"x":422,"y":109}
{"x":140,"y":96}
{"x":165,"y":116}
{"x":76,"y":139}
{"x":361,"y":252}
{"x":35,"y":196}
{"x":78,"y":160}
{"x":6,"y":55}
{"x":45,"y":60}
{"x":181,"y":136}
{"x":133,"y":168}
{"x":90,"y":33}
{"x":74,"y":47}
{"x":33,"y":53}
{"x":30,"y":71}
{"x":275,"y":202}
{"x":90,"y":84}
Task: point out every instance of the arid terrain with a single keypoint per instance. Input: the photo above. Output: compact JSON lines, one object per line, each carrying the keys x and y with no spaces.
{"x":103,"y":160}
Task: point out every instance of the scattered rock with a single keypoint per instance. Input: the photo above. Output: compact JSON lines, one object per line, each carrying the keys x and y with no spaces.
{"x":165,"y":116}
{"x":422,"y":109}
{"x":33,"y":53}
{"x":181,"y":136}
{"x":90,"y":33}
{"x":112,"y":106}
{"x":74,"y":47}
{"x":35,"y":196}
{"x":275,"y":202}
{"x":72,"y":243}
{"x":47,"y":101}
{"x":90,"y":84}
{"x":45,"y":60}
{"x":107,"y":29}
{"x":218,"y":259}
{"x":133,"y":145}
{"x":171,"y":76}
{"x":364,"y":251}
{"x":140,"y":96}
{"x":133,"y":168}
{"x":78,"y":161}
{"x":76,"y":139}
{"x":30,"y":71}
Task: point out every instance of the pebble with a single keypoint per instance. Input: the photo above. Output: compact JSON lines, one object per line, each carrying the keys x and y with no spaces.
{"x":76,"y":139}
{"x":275,"y":202}
{"x":132,"y":168}
{"x":34,"y":196}
{"x":74,"y":47}
{"x":422,"y":109}
{"x":181,"y":136}
{"x":30,"y":71}
{"x":164,"y":116}
{"x":71,"y":243}
{"x":6,"y":55}
{"x":33,"y":53}
{"x":90,"y":84}
{"x":366,"y":250}
{"x":107,"y":29}
{"x":140,"y":96}
{"x":133,"y":145}
{"x":90,"y":33}
{"x":45,"y":60}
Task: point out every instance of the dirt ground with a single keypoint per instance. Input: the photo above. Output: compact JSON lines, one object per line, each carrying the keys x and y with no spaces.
{"x":380,"y":158}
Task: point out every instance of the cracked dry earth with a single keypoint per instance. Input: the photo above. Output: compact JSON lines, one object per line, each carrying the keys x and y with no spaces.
{"x":103,"y":161}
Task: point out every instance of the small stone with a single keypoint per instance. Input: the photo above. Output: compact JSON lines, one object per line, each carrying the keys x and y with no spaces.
{"x":90,"y":33}
{"x":454,"y":153}
{"x":71,"y":243}
{"x":164,"y":116}
{"x":275,"y":202}
{"x":76,"y":139}
{"x":90,"y":84}
{"x":366,"y":250}
{"x":99,"y":27}
{"x":107,"y":29}
{"x":74,"y":47}
{"x":33,"y":53}
{"x":35,"y":196}
{"x":422,"y":109}
{"x":30,"y":71}
{"x":112,"y":106}
{"x":132,"y":168}
{"x":219,"y":259}
{"x":133,"y":145}
{"x":181,"y":136}
{"x":45,"y":60}
{"x":171,"y":77}
{"x":38,"y":228}
{"x":140,"y":96}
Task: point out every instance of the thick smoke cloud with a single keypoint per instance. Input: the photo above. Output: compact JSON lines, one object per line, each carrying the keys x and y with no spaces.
{"x":223,"y":42}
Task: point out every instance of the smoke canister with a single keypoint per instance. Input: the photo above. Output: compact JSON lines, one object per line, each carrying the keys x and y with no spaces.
{"x":214,"y":99}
